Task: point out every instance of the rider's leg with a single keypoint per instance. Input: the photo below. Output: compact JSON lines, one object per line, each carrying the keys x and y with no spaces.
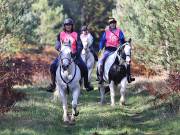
{"x":129,"y":77}
{"x":84,"y":71}
{"x":101,"y":73}
{"x":53,"y":69}
{"x":94,"y":53}
{"x":105,"y":55}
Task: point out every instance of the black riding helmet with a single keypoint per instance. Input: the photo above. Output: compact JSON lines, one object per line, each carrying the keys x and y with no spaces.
{"x":68,"y":21}
{"x":84,"y":28}
{"x":112,"y":20}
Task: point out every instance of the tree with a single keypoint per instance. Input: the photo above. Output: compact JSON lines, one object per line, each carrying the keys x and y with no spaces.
{"x":93,"y":13}
{"x":17,"y":22}
{"x":154,"y":27}
{"x":50,"y":20}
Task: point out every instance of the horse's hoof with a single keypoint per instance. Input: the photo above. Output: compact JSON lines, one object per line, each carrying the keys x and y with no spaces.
{"x":72,"y":122}
{"x":72,"y":119}
{"x":122,"y":103}
{"x":112,"y":105}
{"x":102,"y":103}
{"x":66,"y":122}
{"x":76,"y":114}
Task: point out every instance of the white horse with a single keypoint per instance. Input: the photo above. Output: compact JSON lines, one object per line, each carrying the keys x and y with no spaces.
{"x":67,"y":79}
{"x":87,"y":56}
{"x":115,"y":73}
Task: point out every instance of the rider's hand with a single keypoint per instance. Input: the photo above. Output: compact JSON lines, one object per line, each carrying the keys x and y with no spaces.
{"x":73,"y":55}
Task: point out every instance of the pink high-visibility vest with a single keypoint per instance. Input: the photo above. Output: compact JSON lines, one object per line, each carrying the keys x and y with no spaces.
{"x":112,"y":39}
{"x":72,"y":37}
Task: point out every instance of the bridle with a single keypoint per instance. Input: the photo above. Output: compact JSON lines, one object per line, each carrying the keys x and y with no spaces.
{"x":120,"y":52}
{"x":70,"y":61}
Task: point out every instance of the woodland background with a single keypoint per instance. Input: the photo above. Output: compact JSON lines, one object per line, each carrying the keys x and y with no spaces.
{"x":28,"y":30}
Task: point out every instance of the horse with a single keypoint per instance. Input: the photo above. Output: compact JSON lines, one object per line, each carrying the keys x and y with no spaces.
{"x":88,"y":58}
{"x":68,"y":76}
{"x":115,"y":73}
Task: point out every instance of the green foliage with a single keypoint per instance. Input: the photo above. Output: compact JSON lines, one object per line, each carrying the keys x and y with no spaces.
{"x":9,"y":44}
{"x":29,"y":21}
{"x":17,"y":19}
{"x":50,"y":18}
{"x":94,"y":13}
{"x":154,"y":26}
{"x":17,"y":24}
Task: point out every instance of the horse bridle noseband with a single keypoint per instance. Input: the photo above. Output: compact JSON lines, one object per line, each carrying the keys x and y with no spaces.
{"x":70,"y":62}
{"x":73,"y":75}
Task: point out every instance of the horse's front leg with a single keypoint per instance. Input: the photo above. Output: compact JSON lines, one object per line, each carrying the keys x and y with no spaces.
{"x":89,"y":74}
{"x":102,"y":93}
{"x":63,"y":98}
{"x":90,"y":64}
{"x":123,"y":90}
{"x":75,"y":94}
{"x":112,"y":93}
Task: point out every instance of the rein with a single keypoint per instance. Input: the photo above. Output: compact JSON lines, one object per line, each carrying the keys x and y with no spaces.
{"x":71,"y":79}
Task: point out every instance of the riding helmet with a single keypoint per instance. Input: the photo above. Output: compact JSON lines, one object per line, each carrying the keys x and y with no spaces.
{"x":68,"y":21}
{"x":112,"y":20}
{"x":84,"y":28}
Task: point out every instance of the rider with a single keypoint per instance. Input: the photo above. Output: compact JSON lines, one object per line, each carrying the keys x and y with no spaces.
{"x":86,"y":36}
{"x":68,"y":35}
{"x":112,"y":38}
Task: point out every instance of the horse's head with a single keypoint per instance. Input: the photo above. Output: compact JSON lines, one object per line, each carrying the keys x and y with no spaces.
{"x":124,"y":51}
{"x":65,"y":56}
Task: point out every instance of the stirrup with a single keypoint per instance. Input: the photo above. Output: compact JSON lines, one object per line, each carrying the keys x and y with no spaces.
{"x":89,"y":88}
{"x":130,"y":79}
{"x":51,"y":88}
{"x":100,"y":81}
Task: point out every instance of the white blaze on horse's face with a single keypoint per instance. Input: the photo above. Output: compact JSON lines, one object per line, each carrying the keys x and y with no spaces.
{"x":127,"y":50}
{"x":124,"y":52}
{"x":85,"y":44}
{"x":65,"y":57}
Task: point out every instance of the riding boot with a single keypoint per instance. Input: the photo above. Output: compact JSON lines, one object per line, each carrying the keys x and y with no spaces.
{"x":129,"y":77}
{"x":52,"y":85}
{"x":87,"y":84}
{"x":101,"y":74}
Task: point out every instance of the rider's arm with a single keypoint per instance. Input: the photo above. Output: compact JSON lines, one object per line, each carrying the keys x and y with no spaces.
{"x":102,"y":41}
{"x":58,"y":43}
{"x":121,"y":38}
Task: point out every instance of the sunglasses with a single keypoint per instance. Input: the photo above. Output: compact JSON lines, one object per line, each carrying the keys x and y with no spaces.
{"x":68,"y":24}
{"x":113,"y":22}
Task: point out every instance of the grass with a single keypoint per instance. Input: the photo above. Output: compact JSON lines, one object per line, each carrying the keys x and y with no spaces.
{"x":38,"y":115}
